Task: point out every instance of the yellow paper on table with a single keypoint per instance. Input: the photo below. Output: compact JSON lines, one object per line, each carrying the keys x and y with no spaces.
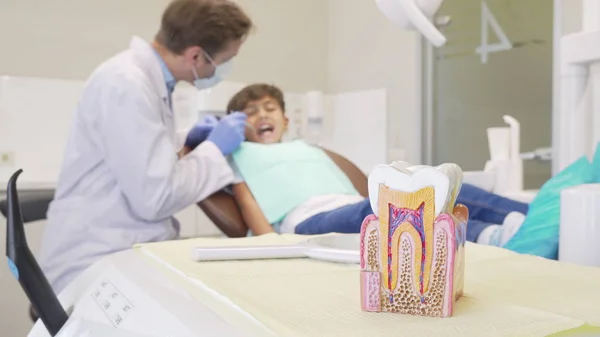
{"x":504,"y":293}
{"x":561,"y":288}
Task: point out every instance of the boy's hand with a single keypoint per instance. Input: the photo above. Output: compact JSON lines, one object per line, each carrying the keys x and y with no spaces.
{"x":200,"y":132}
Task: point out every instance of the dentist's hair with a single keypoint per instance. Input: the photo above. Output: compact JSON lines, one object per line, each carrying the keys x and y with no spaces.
{"x":209,"y":24}
{"x":255,"y":92}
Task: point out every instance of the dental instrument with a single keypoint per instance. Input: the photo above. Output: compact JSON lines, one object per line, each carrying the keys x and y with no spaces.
{"x":251,"y":127}
{"x":340,"y":248}
{"x":541,"y":154}
{"x":248,"y":253}
{"x":24,"y":268}
{"x":248,"y":125}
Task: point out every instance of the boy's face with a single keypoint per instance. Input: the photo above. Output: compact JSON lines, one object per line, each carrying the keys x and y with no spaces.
{"x":268,"y":120}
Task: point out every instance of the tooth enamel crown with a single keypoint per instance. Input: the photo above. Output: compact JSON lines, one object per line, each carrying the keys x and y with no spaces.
{"x":412,"y":247}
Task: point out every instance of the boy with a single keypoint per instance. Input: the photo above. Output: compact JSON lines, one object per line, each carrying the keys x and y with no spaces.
{"x":338,"y":207}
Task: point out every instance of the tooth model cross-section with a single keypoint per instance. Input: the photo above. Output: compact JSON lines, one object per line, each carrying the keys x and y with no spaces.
{"x":412,"y":247}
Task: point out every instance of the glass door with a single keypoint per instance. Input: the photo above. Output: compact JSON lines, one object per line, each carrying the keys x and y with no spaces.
{"x":497,"y":61}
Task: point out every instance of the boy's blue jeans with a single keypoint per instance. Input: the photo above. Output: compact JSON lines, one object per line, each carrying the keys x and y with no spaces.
{"x":485,"y":209}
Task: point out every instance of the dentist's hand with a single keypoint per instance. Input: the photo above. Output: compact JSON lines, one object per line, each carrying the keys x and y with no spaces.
{"x":229,"y":133}
{"x":200,"y":132}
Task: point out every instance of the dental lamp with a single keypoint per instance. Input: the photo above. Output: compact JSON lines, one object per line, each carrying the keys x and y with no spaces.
{"x":414,"y":15}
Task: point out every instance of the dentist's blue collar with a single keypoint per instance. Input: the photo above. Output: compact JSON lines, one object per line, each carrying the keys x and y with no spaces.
{"x":169,"y":79}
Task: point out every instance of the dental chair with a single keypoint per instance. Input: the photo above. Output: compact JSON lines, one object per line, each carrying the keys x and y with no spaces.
{"x":223,"y":211}
{"x":34,"y":205}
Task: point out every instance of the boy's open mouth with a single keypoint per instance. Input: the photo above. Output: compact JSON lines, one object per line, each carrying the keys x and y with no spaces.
{"x":265,"y":129}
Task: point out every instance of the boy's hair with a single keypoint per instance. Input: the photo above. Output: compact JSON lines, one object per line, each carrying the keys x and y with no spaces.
{"x":209,"y":24}
{"x":255,"y":92}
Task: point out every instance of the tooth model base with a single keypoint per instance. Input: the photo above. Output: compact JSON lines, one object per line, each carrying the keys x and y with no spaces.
{"x":411,"y":262}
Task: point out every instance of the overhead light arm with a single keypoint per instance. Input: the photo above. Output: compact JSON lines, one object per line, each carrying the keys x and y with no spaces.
{"x":414,"y":15}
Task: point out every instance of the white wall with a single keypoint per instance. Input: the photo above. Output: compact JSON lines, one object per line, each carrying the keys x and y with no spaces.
{"x":67,"y":39}
{"x":288,"y":46}
{"x":365,"y":52}
{"x":571,"y":16}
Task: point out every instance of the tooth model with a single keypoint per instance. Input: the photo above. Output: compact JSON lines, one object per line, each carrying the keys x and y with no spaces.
{"x":412,"y":247}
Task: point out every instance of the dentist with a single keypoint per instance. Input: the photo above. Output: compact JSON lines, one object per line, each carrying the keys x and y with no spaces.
{"x":123,"y":177}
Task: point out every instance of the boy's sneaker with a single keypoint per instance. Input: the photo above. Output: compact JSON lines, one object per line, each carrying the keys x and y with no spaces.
{"x":498,"y":235}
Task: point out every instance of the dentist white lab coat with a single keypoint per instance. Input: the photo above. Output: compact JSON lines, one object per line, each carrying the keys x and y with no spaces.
{"x":121,"y":181}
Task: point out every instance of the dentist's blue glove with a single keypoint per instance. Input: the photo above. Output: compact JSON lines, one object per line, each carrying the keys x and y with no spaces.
{"x":229,"y":133}
{"x":200,"y":131}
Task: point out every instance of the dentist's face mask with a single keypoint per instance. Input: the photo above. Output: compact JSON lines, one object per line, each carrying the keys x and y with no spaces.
{"x":221,"y":71}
